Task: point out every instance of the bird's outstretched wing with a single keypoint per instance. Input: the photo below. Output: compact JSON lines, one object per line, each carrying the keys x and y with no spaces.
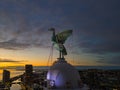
{"x":62,"y":37}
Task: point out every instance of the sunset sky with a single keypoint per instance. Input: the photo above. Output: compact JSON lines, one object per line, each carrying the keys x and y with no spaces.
{"x":25,"y":39}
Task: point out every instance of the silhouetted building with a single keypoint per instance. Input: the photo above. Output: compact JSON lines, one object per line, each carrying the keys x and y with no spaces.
{"x":28,"y":74}
{"x":6,"y":76}
{"x":28,"y":70}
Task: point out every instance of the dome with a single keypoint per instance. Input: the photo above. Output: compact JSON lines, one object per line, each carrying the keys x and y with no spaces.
{"x":62,"y":75}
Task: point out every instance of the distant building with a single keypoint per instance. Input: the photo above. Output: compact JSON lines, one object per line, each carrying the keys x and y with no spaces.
{"x":28,"y":70}
{"x":28,"y":74}
{"x":6,"y":76}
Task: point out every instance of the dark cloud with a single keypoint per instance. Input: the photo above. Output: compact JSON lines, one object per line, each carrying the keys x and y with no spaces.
{"x":95,"y":24}
{"x":112,"y":60}
{"x":13,"y":45}
{"x":10,"y":61}
{"x":102,"y":47}
{"x":25,"y":42}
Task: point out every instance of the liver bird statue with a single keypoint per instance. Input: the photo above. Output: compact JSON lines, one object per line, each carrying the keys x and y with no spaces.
{"x":59,"y":40}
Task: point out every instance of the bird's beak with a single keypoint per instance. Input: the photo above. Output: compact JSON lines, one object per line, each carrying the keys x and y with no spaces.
{"x":51,"y":29}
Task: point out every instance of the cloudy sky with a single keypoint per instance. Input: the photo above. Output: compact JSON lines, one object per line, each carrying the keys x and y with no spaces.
{"x":25,"y":39}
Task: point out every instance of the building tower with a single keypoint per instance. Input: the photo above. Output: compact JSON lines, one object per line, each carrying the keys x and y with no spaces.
{"x":62,"y":75}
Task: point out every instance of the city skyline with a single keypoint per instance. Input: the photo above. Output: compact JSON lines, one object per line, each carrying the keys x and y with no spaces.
{"x":25,"y":39}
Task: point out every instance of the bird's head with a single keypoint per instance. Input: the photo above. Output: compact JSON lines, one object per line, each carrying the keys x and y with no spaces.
{"x":51,"y":29}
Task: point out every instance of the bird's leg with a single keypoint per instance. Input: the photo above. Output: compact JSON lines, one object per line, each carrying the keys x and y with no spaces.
{"x":60,"y":53}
